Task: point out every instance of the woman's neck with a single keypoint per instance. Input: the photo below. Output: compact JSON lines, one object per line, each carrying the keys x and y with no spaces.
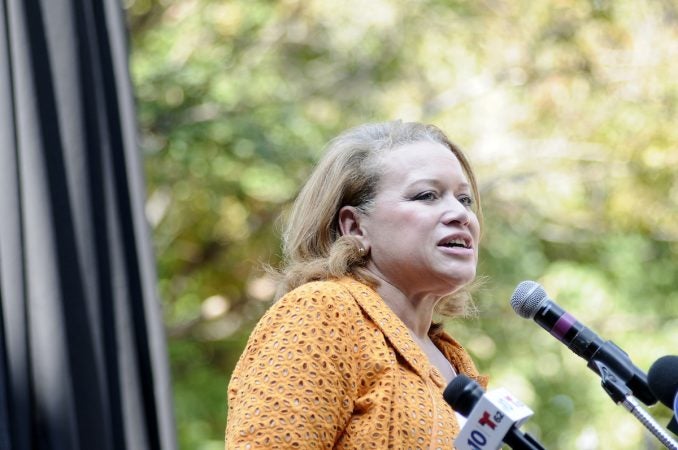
{"x":416,"y":312}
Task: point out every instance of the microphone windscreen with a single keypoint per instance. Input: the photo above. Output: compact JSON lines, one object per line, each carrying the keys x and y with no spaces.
{"x":462,"y":394}
{"x":663,"y":379}
{"x":527,"y":297}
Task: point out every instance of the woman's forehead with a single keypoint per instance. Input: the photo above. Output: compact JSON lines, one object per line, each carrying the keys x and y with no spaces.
{"x":418,"y":156}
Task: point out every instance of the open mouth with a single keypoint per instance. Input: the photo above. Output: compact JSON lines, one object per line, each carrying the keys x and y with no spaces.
{"x":455,"y":242}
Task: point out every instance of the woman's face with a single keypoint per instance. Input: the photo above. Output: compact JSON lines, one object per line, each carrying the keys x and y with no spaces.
{"x":421,"y":231}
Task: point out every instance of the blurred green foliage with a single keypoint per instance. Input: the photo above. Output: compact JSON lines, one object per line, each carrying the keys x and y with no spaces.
{"x":567,"y":109}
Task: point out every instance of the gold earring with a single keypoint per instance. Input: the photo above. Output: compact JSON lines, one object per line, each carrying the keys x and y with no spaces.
{"x":361,"y":251}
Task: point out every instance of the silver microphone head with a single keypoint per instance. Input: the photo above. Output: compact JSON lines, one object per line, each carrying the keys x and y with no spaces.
{"x":527,"y":297}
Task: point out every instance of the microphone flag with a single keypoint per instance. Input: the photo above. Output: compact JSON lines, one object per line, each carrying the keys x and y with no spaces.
{"x":490,"y":420}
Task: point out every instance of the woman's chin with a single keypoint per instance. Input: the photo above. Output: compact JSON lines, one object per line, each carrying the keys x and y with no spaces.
{"x":460,"y":281}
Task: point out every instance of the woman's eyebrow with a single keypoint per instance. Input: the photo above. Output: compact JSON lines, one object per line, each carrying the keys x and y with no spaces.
{"x":438,"y":183}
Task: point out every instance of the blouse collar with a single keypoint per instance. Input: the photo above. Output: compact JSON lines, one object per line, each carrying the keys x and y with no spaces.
{"x":399,"y":336}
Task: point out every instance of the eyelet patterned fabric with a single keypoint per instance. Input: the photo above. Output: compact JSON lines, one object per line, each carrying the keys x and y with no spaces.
{"x":330,"y":366}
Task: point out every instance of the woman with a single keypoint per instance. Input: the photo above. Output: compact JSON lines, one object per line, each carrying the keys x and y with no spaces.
{"x":385,"y":230}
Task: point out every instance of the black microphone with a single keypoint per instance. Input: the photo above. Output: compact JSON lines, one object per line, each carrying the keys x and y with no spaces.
{"x":663,"y":380}
{"x":492,"y":417}
{"x":530,"y":301}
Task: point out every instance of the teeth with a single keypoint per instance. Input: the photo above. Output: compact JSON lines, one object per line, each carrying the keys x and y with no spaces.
{"x":456,"y":242}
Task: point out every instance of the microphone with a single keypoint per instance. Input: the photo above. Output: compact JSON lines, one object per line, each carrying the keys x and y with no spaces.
{"x":492,"y":417}
{"x":605,"y":358}
{"x":663,"y":380}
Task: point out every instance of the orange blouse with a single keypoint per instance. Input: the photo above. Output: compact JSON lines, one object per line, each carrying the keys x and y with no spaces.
{"x":330,"y":365}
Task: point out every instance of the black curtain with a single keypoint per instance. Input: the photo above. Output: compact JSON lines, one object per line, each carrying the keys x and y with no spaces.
{"x":83,"y":361}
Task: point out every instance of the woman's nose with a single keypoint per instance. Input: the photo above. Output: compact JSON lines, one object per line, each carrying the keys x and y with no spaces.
{"x":455,"y":211}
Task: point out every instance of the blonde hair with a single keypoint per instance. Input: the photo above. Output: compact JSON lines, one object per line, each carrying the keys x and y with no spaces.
{"x":348,"y":175}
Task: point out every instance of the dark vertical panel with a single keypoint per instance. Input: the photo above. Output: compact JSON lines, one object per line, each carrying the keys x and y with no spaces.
{"x":15,"y":349}
{"x":83,"y":361}
{"x":5,"y":429}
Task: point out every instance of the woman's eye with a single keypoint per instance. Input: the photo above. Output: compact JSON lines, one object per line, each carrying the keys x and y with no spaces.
{"x":426,"y":196}
{"x":466,"y":200}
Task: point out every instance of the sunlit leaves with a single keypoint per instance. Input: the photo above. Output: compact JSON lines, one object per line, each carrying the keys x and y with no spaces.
{"x":567,"y":109}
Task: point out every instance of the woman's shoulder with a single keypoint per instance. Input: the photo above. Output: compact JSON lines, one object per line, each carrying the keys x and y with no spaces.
{"x":315,"y":300}
{"x":323,"y":292}
{"x":312,"y":309}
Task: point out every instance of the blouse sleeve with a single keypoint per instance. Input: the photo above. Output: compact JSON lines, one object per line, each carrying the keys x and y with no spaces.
{"x":294,"y":385}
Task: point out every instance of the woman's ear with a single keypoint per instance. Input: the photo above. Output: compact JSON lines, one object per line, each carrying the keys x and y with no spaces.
{"x":350,"y":225}
{"x":349,"y":222}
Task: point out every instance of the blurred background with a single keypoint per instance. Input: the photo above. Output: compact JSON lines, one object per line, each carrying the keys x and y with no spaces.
{"x":568,"y":111}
